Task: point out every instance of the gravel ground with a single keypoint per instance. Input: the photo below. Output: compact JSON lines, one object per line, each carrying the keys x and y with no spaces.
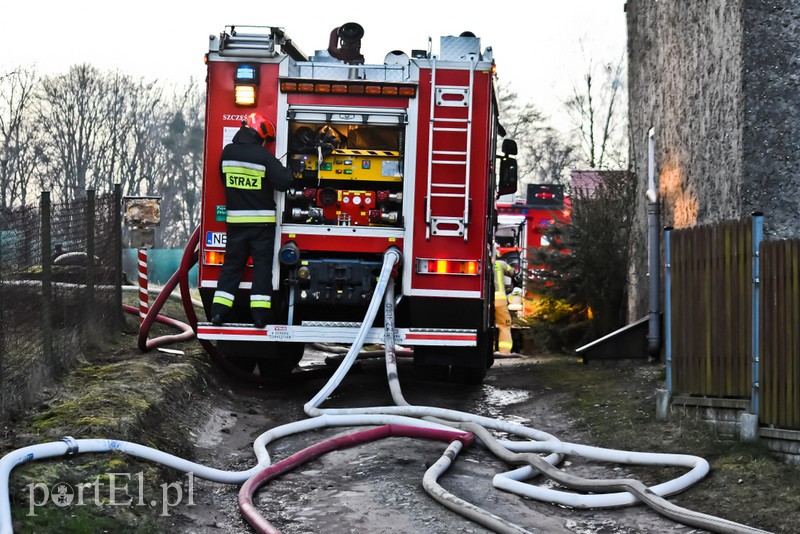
{"x":375,"y":487}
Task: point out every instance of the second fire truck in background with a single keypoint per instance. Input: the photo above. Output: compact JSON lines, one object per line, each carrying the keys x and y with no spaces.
{"x":522,"y":226}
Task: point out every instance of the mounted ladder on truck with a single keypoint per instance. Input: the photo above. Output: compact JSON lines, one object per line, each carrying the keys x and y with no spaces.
{"x":449,"y":157}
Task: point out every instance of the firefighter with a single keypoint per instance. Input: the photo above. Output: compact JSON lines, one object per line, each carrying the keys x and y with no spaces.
{"x":502,"y":316}
{"x":251,"y":174}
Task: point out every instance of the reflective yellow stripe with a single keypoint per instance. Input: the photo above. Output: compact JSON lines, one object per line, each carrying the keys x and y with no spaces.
{"x":260,"y":304}
{"x":500,"y":295}
{"x":505,"y":344}
{"x":251,"y":216}
{"x":245,"y":167}
{"x":245,"y":171}
{"x":499,"y":283}
{"x":251,"y":219}
{"x":223,"y":301}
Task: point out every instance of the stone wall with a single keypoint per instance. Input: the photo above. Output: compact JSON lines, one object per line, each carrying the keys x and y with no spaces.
{"x":719,"y":81}
{"x":725,"y":418}
{"x":771,"y":143}
{"x":685,"y":80}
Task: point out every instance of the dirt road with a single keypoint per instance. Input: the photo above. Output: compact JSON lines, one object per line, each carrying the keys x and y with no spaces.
{"x":376,"y":488}
{"x":178,"y":403}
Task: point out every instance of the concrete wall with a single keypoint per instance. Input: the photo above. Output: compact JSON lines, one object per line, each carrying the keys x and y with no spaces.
{"x":685,"y":80}
{"x":771,"y":144}
{"x":719,"y":81}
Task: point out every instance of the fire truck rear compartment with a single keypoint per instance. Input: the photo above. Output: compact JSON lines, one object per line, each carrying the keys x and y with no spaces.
{"x":333,"y":282}
{"x":345,"y":174}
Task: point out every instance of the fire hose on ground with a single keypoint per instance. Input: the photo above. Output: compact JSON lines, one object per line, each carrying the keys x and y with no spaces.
{"x":426,"y":421}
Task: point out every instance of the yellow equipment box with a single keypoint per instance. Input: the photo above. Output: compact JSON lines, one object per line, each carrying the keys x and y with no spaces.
{"x":371,"y":165}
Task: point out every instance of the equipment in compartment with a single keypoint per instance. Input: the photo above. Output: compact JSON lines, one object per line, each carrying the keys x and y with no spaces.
{"x":335,"y":281}
{"x":346,"y":164}
{"x":344,"y":207}
{"x":329,"y":160}
{"x":375,"y":165}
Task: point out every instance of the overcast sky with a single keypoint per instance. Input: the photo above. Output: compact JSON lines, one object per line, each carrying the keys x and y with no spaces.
{"x":541,"y":49}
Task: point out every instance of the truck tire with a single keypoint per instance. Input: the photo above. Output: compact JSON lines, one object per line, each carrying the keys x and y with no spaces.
{"x":469,"y":375}
{"x":280,"y":360}
{"x":240,"y":353}
{"x":478,"y":360}
{"x":483,"y":358}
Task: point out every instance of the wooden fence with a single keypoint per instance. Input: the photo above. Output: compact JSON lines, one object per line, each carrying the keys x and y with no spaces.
{"x":713,"y":310}
{"x":780,"y":334}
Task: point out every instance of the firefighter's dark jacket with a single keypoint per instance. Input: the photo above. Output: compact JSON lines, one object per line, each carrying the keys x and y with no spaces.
{"x":251,"y":175}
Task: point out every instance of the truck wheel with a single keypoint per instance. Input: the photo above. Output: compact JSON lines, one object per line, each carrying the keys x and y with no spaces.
{"x":476,"y":361}
{"x":248,"y":365}
{"x":281,"y":360}
{"x":238,"y":353}
{"x":482,"y":359}
{"x":469,"y":375}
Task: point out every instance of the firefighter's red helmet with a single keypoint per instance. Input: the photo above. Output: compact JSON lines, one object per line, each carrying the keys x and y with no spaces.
{"x":262,"y":126}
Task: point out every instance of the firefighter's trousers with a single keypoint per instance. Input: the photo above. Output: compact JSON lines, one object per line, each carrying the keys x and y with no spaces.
{"x":502,"y":319}
{"x":242,"y":242}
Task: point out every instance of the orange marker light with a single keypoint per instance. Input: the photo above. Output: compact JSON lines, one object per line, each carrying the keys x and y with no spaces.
{"x":450,"y":267}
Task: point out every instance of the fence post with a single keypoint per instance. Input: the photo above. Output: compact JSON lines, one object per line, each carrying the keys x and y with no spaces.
{"x":47,"y":280}
{"x":143,"y":283}
{"x":758,"y":234}
{"x":3,"y":350}
{"x":668,"y":307}
{"x":117,"y":248}
{"x":90,"y":265}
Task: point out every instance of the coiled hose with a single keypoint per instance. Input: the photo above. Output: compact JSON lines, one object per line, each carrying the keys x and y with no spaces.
{"x":419,"y":417}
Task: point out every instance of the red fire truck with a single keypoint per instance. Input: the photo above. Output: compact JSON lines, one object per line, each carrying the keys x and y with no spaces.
{"x":399,"y":156}
{"x":522,"y":226}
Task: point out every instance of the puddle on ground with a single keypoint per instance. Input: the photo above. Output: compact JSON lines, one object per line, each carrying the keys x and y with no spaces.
{"x":211,"y":434}
{"x":495,"y":399}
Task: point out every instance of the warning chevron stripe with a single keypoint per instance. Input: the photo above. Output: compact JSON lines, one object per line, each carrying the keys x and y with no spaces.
{"x":355,"y":152}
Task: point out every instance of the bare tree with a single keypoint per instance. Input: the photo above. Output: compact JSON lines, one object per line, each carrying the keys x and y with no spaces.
{"x":91,"y":129}
{"x":17,"y":93}
{"x":131,"y":117}
{"x":552,"y":157}
{"x":133,"y":155}
{"x":597,"y":110}
{"x":75,"y":111}
{"x":544,"y":155}
{"x":183,"y":142}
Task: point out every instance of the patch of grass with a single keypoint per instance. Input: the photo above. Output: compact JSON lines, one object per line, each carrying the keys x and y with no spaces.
{"x":614,"y":404}
{"x":88,"y":519}
{"x":110,"y":493}
{"x":117,"y":393}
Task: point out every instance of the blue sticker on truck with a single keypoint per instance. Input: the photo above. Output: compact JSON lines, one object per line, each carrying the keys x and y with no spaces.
{"x":215,"y":239}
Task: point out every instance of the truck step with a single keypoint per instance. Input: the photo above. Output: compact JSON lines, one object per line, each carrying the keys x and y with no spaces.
{"x":334,"y":332}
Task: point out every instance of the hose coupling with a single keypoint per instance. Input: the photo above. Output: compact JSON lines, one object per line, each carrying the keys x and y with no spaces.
{"x":72,"y":446}
{"x":466,"y":439}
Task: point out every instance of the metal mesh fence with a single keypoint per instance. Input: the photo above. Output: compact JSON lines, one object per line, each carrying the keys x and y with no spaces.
{"x":59,"y":290}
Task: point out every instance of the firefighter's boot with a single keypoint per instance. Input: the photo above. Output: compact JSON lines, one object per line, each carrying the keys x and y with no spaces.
{"x":260,"y":318}
{"x":218,"y":313}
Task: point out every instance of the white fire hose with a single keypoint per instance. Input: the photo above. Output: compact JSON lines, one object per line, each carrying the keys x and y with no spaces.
{"x":605,"y":493}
